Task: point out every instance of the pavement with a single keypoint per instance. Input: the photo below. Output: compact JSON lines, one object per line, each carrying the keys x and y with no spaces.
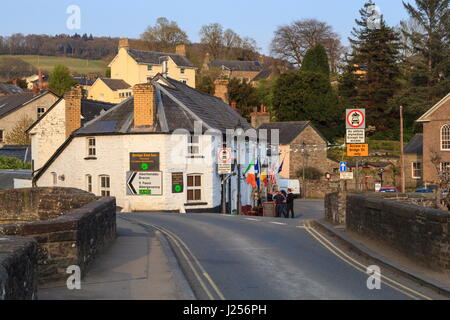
{"x":138,"y":266}
{"x":7,"y":177}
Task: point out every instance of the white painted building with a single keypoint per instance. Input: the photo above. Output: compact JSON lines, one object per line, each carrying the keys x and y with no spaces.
{"x":168,"y":134}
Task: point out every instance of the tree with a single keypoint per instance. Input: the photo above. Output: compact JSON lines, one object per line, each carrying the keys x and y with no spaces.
{"x":244,"y":94}
{"x":212,"y":36}
{"x":206,"y":85}
{"x":17,"y":135}
{"x":164,"y":35}
{"x":432,"y":39}
{"x":316,"y":60}
{"x":60,"y":80}
{"x":307,"y":96}
{"x":373,"y":71}
{"x":291,"y":42}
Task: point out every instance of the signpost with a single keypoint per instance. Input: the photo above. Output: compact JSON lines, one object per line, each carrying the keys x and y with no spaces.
{"x":343,"y":167}
{"x":357,"y":150}
{"x":177,"y":182}
{"x":144,"y":183}
{"x":355,"y":136}
{"x":144,"y":161}
{"x":224,"y":161}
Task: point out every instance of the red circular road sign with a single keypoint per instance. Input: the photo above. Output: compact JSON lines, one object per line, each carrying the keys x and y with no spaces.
{"x":224,"y":155}
{"x":355,"y":119}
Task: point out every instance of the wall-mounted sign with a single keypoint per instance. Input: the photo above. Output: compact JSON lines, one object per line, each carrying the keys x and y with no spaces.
{"x":177,"y":182}
{"x":356,"y":118}
{"x":144,"y":183}
{"x":144,"y":161}
{"x":346,"y":175}
{"x":357,"y":150}
{"x":357,"y":136}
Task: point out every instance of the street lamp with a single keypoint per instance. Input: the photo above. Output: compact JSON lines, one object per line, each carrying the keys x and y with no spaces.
{"x":238,"y":133}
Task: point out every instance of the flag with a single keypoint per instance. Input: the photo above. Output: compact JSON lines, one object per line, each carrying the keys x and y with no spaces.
{"x":281,"y":167}
{"x":251,"y":176}
{"x":264,"y":178}
{"x":257,"y":174}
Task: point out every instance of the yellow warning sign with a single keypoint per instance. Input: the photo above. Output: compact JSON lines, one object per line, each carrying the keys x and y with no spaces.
{"x":357,"y":150}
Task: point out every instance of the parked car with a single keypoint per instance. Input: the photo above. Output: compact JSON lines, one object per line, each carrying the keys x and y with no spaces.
{"x":388,"y":190}
{"x":293,"y":184}
{"x":424,"y":190}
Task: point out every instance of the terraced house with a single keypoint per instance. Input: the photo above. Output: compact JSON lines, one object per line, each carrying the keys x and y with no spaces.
{"x":137,"y":66}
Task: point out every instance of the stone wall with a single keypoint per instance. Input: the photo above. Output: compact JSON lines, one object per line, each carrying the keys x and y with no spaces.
{"x":421,"y":233}
{"x":18,"y":265}
{"x":69,"y":236}
{"x":335,"y":206}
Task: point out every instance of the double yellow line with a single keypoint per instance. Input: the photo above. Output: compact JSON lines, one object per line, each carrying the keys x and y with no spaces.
{"x":361,"y":267}
{"x":198,"y":270}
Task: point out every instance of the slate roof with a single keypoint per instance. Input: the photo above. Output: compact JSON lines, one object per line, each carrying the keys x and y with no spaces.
{"x":20,"y":152}
{"x":237,"y":65}
{"x":6,"y":88}
{"x":92,"y":108}
{"x":181,"y":106}
{"x":288,"y":131}
{"x":415,"y":146}
{"x":116,"y":84}
{"x":264,"y":74}
{"x":152,"y":57}
{"x":84,"y":81}
{"x":9,"y":104}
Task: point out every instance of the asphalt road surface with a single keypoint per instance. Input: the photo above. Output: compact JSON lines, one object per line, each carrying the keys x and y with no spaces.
{"x":247,"y":258}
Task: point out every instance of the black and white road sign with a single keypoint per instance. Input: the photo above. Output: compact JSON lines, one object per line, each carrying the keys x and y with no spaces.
{"x":356,"y":118}
{"x":144,"y":183}
{"x":355,"y":136}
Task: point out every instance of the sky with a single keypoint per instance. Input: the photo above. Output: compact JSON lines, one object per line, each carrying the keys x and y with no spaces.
{"x":253,"y":18}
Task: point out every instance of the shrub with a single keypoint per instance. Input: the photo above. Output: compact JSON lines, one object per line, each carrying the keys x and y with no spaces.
{"x":13,"y":163}
{"x":310,"y":173}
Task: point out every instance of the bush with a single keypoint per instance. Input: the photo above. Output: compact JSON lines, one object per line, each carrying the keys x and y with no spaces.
{"x":13,"y":163}
{"x":310,"y":173}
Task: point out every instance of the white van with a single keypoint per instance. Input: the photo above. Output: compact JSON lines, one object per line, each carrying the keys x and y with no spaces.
{"x":285,"y":184}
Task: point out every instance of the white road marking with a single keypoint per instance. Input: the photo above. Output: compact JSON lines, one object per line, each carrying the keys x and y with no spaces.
{"x":279,"y":223}
{"x":251,"y":219}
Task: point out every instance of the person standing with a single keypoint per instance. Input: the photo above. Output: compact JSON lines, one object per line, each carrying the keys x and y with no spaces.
{"x":285,"y":205}
{"x":290,"y":204}
{"x":279,"y":199}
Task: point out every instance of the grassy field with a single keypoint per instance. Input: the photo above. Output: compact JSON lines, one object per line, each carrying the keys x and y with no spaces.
{"x":46,"y":63}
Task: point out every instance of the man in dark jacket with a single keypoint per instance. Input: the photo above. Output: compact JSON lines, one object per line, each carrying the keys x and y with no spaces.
{"x":279,"y":200}
{"x":290,"y":203}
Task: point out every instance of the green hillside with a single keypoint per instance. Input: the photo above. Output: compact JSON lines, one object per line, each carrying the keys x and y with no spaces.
{"x":46,"y":63}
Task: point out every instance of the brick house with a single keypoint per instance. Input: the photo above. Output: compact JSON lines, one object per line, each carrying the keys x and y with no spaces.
{"x":301,"y":146}
{"x":14,"y":108}
{"x":436,"y":140}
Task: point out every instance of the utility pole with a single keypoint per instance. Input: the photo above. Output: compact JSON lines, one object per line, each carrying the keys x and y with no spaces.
{"x":402,"y":155}
{"x":357,"y":174}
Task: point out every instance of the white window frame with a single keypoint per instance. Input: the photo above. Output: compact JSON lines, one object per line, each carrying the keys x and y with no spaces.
{"x":191,"y":145}
{"x":89,"y":183}
{"x":415,"y":169}
{"x":104,"y":185}
{"x":91,"y":149}
{"x":194,"y":188}
{"x":445,"y":137}
{"x":40,"y":114}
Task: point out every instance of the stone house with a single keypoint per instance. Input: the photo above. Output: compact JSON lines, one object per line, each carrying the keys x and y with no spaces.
{"x":413,"y":153}
{"x":436,"y":140}
{"x":14,"y":108}
{"x":242,"y":70}
{"x":110,"y":90}
{"x":50,"y":131}
{"x":301,"y":145}
{"x":154,"y":151}
{"x":137,"y":66}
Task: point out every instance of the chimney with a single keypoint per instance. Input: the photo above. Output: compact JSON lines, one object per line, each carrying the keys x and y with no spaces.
{"x":124,"y":43}
{"x":206,"y":62}
{"x":234,"y":105}
{"x":261,"y":59}
{"x":73,"y":109}
{"x":144,"y":105}
{"x":181,"y":49}
{"x":259,"y":118}
{"x":221,"y":89}
{"x":40,"y":80}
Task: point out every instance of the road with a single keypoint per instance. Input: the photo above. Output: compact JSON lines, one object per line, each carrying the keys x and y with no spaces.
{"x":247,"y":258}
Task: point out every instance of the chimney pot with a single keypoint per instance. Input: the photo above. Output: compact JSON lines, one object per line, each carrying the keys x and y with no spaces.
{"x":144,"y":105}
{"x":234,"y":105}
{"x":124,"y":43}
